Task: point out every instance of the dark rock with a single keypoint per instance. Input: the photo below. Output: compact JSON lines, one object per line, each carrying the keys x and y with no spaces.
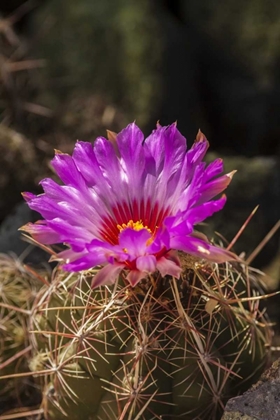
{"x":261,"y":402}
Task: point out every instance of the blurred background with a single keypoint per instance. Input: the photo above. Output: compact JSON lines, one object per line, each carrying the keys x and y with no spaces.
{"x":72,"y":69}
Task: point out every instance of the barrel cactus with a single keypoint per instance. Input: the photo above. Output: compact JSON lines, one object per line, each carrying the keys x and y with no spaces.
{"x":144,"y":318}
{"x":166,"y":349}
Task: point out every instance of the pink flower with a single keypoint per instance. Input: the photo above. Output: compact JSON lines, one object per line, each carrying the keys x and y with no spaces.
{"x":130,"y":204}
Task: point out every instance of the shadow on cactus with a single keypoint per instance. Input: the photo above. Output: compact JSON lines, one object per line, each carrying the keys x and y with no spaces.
{"x":144,"y":317}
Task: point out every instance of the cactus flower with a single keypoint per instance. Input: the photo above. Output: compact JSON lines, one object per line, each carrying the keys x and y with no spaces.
{"x":131,"y":204}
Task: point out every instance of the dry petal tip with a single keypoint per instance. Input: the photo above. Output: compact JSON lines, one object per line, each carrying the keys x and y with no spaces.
{"x":25,"y":228}
{"x":112,"y":138}
{"x":27,"y":196}
{"x":111,"y":135}
{"x":200,"y":137}
{"x":230,"y":174}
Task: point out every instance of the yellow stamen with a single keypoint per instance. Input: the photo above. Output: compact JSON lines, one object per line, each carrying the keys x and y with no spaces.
{"x":133,"y":225}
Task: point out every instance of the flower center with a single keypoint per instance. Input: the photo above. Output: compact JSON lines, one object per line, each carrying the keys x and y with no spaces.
{"x":133,"y":225}
{"x":147,"y":216}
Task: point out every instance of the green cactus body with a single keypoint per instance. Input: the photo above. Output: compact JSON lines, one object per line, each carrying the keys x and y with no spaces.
{"x":166,"y":349}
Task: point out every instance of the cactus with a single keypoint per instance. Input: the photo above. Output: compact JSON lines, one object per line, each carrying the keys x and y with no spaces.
{"x":17,"y":291}
{"x":165,"y":349}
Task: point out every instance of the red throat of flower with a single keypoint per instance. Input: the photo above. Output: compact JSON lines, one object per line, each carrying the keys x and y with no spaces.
{"x":136,"y":216}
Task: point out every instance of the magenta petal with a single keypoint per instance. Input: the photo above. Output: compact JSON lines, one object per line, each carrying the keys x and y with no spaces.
{"x":146,"y":263}
{"x":215,"y":187}
{"x":41,"y":232}
{"x":69,"y":199}
{"x":85,"y":262}
{"x":95,"y":253}
{"x":105,"y":152}
{"x":160,"y":241}
{"x":90,"y":162}
{"x":202,"y":249}
{"x":169,"y":267}
{"x":178,"y":225}
{"x":107,"y":252}
{"x":49,"y":208}
{"x":134,"y":276}
{"x":167,"y":146}
{"x":56,"y":191}
{"x":107,"y":275}
{"x":67,"y":231}
{"x":28,"y":196}
{"x":198,"y":151}
{"x":165,"y":151}
{"x":86,"y":162}
{"x":112,"y":171}
{"x":191,"y":193}
{"x":200,"y":213}
{"x":97,"y":244}
{"x":213,"y":169}
{"x":103,"y":252}
{"x":175,"y":149}
{"x":220,"y":255}
{"x":134,"y":241}
{"x":67,"y":171}
{"x":129,"y":142}
{"x":68,"y":255}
